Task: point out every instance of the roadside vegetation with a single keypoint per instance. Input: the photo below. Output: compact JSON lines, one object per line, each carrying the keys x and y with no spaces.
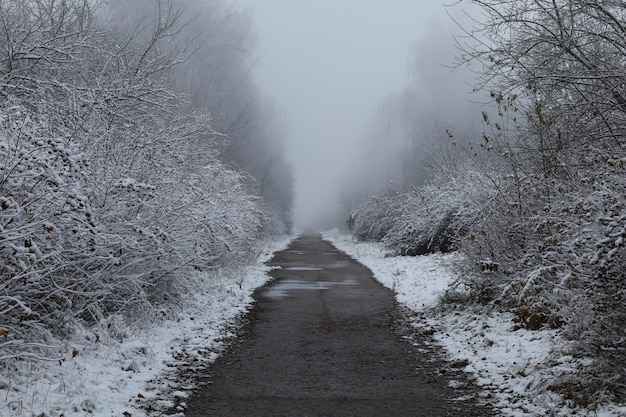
{"x":136,"y":159}
{"x":535,"y":200}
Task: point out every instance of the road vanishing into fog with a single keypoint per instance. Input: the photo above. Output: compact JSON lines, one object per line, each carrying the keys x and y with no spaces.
{"x":326,"y":339}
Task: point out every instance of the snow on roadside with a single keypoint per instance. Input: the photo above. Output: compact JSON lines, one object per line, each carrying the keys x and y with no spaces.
{"x":514,"y":367}
{"x":417,"y":281}
{"x":127,"y":371}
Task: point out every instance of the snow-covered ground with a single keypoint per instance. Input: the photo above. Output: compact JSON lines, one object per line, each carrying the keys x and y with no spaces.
{"x":122,"y":374}
{"x":514,"y":367}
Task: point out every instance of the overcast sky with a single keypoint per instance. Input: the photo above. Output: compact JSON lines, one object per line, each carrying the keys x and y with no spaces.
{"x":326,"y":64}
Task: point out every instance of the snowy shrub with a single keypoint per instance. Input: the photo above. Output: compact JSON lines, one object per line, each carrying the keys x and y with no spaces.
{"x":551,"y":247}
{"x":45,"y":218}
{"x":433,"y":218}
{"x":438,"y":215}
{"x":558,"y":262}
{"x":373,"y":219}
{"x":112,"y":198}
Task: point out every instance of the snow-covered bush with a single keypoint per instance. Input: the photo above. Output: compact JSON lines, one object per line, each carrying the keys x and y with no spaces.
{"x":438,"y":215}
{"x":112,"y":198}
{"x":551,"y":246}
{"x":433,"y":218}
{"x":558,"y":262}
{"x":45,"y":219}
{"x":374,"y":218}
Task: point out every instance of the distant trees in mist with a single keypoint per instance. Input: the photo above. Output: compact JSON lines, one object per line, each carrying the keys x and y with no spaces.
{"x":127,"y":136}
{"x":536,"y":203}
{"x":408,"y":141}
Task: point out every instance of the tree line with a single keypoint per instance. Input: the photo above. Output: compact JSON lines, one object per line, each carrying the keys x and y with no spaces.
{"x":536,"y":203}
{"x":135,"y":156}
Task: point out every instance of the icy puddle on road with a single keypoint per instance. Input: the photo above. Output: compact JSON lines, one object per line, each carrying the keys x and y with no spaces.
{"x":303,"y":268}
{"x":284,"y":287}
{"x":333,"y":265}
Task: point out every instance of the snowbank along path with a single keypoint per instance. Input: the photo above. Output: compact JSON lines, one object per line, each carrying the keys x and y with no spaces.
{"x":325,"y":339}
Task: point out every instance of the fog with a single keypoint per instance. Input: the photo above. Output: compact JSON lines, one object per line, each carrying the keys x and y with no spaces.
{"x":327,"y":65}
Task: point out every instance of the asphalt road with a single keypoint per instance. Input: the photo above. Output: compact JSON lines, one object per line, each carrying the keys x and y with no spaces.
{"x":326,"y":339}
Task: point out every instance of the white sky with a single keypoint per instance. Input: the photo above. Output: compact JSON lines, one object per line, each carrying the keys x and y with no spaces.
{"x":326,"y":64}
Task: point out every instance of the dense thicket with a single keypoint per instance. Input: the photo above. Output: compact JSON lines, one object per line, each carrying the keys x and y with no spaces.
{"x":216,"y":44}
{"x":544,"y":192}
{"x":112,"y":193}
{"x":555,"y":233}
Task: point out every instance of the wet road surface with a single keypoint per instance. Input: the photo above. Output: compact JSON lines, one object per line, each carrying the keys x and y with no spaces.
{"x":325,"y":339}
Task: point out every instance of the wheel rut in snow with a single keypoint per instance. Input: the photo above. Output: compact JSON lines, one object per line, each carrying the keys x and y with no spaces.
{"x":326,"y":339}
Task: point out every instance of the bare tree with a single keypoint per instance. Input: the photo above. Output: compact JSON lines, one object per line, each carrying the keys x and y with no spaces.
{"x":112,"y":198}
{"x":556,"y":70}
{"x":566,"y":56}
